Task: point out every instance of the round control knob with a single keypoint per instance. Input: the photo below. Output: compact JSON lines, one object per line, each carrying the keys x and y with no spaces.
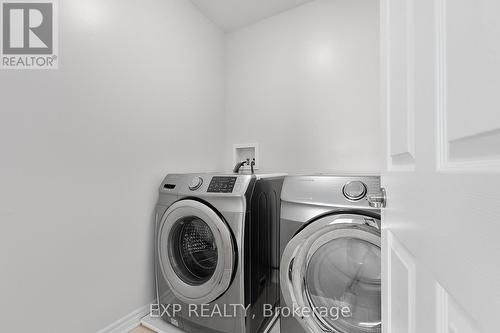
{"x":195,"y":183}
{"x":354,"y":190}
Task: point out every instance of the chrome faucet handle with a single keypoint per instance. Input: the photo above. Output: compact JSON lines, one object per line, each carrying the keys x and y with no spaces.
{"x":378,"y":200}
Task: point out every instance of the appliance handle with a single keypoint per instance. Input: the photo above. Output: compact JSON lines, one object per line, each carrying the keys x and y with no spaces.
{"x":378,"y":200}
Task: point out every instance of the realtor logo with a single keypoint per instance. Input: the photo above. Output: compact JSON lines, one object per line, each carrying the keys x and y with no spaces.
{"x":29,"y":34}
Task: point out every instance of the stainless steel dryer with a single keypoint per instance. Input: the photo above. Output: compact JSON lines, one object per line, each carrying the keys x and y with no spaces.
{"x":331,"y":260}
{"x":217,"y":249}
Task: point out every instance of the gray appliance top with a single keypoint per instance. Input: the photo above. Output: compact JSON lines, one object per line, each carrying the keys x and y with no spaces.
{"x":330,"y":190}
{"x":210,"y":184}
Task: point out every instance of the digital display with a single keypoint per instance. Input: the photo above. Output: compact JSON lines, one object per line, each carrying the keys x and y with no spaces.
{"x":221,"y":184}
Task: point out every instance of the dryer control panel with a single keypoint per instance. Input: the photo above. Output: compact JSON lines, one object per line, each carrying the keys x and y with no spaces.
{"x":221,"y":184}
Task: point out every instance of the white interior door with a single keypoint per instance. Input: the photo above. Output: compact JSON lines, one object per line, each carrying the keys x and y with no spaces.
{"x":441,"y":227}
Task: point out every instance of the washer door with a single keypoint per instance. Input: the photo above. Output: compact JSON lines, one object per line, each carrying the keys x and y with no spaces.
{"x":195,"y":251}
{"x":330,"y":271}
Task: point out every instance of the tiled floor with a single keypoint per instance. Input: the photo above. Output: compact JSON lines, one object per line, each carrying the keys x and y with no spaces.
{"x":142,"y":329}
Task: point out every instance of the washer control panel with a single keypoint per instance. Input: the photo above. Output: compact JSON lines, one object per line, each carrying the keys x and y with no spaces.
{"x":221,"y":184}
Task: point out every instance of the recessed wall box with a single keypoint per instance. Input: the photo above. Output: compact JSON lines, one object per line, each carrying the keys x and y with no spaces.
{"x":244,"y":152}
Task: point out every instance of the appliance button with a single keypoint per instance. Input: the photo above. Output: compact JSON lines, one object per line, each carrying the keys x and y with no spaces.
{"x":354,"y":190}
{"x":195,"y":183}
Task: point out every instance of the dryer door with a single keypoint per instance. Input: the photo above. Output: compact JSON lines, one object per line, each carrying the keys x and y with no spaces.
{"x":195,"y":251}
{"x":330,"y":275}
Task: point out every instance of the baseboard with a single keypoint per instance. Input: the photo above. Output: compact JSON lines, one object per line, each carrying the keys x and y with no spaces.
{"x":128,"y":322}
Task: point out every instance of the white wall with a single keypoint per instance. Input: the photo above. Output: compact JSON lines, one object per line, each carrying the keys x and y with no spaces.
{"x":139,"y":93}
{"x":305,"y":85}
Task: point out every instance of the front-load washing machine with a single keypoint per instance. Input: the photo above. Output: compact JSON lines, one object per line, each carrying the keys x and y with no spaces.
{"x":330,"y":254}
{"x":217,"y":251}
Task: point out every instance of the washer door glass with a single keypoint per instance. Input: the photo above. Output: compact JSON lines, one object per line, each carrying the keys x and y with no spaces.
{"x":343,"y":276}
{"x":193,"y":250}
{"x":196,"y":252}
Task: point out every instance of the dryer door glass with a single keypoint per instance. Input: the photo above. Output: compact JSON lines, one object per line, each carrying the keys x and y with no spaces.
{"x":343,"y":285}
{"x":331,"y":269}
{"x":193,"y":250}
